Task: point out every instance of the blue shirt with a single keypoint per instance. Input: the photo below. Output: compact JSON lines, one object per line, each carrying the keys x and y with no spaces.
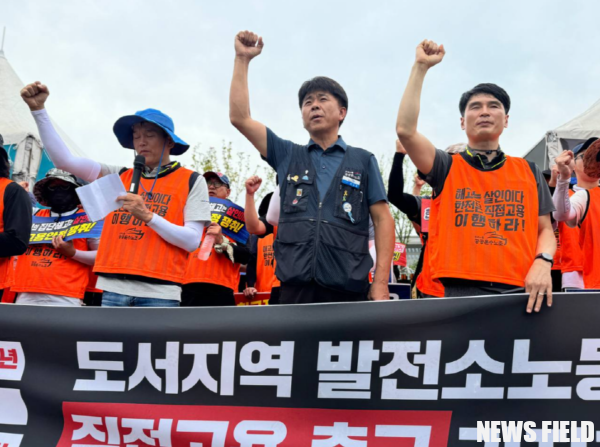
{"x":326,"y":163}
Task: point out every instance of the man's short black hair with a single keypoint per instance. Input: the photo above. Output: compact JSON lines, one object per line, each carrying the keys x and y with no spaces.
{"x":324,"y":84}
{"x":485,"y":89}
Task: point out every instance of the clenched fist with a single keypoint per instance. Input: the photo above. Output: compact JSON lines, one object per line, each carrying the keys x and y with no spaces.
{"x":248,"y":45}
{"x":253,"y":184}
{"x":419,"y":182}
{"x":429,"y":53}
{"x":35,"y":95}
{"x":399,"y":148}
{"x":566,"y":164}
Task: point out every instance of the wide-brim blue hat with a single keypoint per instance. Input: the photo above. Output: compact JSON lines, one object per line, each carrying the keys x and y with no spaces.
{"x":123,"y":128}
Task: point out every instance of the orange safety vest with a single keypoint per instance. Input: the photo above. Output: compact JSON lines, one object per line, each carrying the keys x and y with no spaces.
{"x":486,"y":223}
{"x":425,"y":283}
{"x":42,"y":269}
{"x":265,"y":264}
{"x":217,"y":269}
{"x":6,"y":264}
{"x":589,"y":240}
{"x":91,"y":287}
{"x":571,"y":254}
{"x":558,"y":254}
{"x":128,"y":246}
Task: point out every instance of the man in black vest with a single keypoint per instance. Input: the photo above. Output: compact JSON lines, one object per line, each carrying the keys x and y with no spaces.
{"x":328,"y":191}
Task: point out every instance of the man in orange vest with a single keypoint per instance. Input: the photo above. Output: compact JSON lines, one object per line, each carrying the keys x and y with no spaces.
{"x":15,"y":221}
{"x":261,"y":269}
{"x":145,"y":244}
{"x":551,"y":175}
{"x":568,"y":259}
{"x":582,"y":209}
{"x":56,"y":274}
{"x":214,"y":281}
{"x":491,"y":231}
{"x":414,"y":206}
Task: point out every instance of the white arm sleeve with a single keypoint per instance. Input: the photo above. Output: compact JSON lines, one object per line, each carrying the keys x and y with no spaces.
{"x":59,"y":152}
{"x":187,"y":237}
{"x":85,"y":257}
{"x":274,"y":208}
{"x":569,"y":210}
{"x":88,"y":257}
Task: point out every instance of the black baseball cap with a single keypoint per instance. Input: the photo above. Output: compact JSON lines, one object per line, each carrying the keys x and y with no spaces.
{"x":582,"y":147}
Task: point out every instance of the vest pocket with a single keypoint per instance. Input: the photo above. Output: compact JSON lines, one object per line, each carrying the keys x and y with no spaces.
{"x":343,"y":259}
{"x":349,"y":203}
{"x":294,"y":251}
{"x":341,"y":269}
{"x":298,"y":190}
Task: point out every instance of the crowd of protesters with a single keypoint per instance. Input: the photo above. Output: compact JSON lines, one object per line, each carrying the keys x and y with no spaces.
{"x":492,"y":224}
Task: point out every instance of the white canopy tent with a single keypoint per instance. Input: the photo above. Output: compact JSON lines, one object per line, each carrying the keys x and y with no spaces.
{"x":566,"y":137}
{"x":18,"y":128}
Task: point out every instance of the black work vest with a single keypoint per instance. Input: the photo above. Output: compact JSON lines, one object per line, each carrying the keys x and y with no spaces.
{"x":327,"y":240}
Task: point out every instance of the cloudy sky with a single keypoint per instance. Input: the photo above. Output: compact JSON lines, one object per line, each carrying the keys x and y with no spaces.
{"x":104,"y":59}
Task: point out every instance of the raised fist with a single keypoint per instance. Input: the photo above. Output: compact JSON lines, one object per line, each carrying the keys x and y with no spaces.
{"x":419,"y":182}
{"x":248,"y":45}
{"x":399,"y":148}
{"x":35,"y":95}
{"x":429,"y":53}
{"x":566,"y":164}
{"x":252,"y":184}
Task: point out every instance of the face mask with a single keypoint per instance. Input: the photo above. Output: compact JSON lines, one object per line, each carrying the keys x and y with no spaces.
{"x":61,"y":201}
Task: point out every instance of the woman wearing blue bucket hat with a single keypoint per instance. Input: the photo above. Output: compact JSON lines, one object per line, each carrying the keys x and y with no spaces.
{"x":144,"y":245}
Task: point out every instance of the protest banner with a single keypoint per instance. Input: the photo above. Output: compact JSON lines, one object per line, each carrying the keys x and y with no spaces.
{"x":231,"y":218}
{"x":386,"y":374}
{"x":260,"y":299}
{"x":75,"y":226}
{"x":399,"y":254}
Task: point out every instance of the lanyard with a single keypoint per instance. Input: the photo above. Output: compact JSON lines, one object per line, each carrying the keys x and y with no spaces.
{"x":158,"y":171}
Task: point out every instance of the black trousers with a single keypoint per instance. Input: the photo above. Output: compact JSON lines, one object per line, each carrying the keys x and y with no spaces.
{"x":201,"y":294}
{"x":315,"y":293}
{"x":275,"y":295}
{"x":556,"y":280}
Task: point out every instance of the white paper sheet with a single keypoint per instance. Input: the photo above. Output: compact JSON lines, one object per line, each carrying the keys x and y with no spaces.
{"x":100,"y":197}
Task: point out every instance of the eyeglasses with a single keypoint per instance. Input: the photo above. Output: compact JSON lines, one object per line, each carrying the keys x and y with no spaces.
{"x":579,"y":156}
{"x":215,"y":184}
{"x":59,"y":186}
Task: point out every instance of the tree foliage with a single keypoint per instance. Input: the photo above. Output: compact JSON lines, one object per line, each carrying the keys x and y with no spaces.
{"x":237,"y":165}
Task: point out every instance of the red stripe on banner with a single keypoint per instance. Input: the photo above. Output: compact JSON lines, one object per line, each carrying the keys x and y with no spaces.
{"x":8,"y":296}
{"x":101,"y":424}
